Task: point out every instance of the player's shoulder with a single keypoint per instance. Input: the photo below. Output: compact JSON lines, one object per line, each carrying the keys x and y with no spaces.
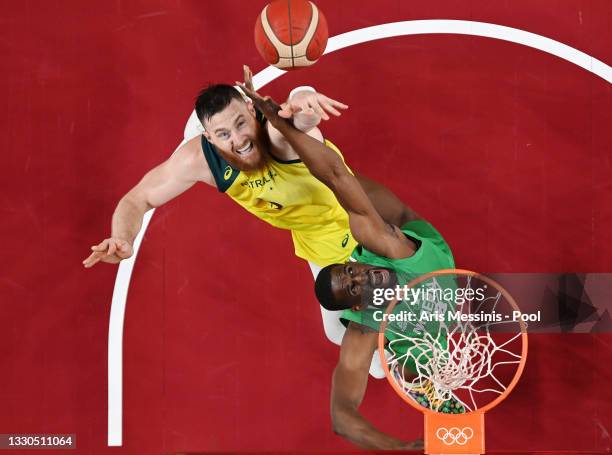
{"x":189,"y":158}
{"x":193,"y":145}
{"x":281,"y":149}
{"x":187,"y":153}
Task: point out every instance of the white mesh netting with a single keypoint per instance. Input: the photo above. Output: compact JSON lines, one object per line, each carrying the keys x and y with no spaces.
{"x":464,"y":362}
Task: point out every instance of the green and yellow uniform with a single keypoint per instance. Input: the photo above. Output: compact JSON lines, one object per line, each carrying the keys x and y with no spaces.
{"x":287,"y":196}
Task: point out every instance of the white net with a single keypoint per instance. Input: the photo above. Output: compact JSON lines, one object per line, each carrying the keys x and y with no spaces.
{"x":465,"y":357}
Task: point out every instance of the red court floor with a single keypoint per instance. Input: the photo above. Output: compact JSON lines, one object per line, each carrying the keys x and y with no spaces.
{"x":505,"y":148}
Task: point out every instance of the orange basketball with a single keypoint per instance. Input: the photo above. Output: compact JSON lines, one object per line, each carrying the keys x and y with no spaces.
{"x":291,"y":34}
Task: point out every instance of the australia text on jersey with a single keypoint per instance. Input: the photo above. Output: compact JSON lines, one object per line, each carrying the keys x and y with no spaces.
{"x":256,"y":183}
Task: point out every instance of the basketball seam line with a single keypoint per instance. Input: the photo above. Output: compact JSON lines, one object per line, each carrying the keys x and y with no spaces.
{"x":290,"y":32}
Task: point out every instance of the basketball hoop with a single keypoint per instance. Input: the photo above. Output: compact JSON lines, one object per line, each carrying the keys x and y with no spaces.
{"x":459,"y":355}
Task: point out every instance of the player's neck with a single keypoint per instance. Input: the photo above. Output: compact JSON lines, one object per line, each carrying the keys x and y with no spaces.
{"x":283,"y":153}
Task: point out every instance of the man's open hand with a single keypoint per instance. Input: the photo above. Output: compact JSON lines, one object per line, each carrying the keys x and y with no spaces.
{"x":303,"y":103}
{"x":111,"y":250}
{"x":308,"y":103}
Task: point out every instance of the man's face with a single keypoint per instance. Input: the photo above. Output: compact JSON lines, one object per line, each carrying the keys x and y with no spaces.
{"x":353,"y":283}
{"x":238,"y":136}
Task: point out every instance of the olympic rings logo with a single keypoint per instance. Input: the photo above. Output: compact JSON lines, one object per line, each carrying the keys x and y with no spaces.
{"x":455,"y":435}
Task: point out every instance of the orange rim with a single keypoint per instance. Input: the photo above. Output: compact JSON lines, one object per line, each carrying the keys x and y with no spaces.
{"x":507,"y":296}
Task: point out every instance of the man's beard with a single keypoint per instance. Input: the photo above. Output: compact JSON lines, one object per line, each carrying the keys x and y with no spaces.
{"x":256,"y":159}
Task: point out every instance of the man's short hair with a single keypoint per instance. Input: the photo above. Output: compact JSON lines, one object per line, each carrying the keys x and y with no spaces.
{"x":213,"y":99}
{"x":323,"y":290}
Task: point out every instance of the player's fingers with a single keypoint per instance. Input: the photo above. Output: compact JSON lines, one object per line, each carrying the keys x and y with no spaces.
{"x":329,"y":108}
{"x":246,"y":90}
{"x":248,"y":77}
{"x":335,"y":103}
{"x":92,"y":260}
{"x":122,"y":245}
{"x":250,"y":93}
{"x":285,"y":110}
{"x":289,"y":109}
{"x":112,"y":248}
{"x":243,"y":88}
{"x":88,"y":258}
{"x":319,"y":111}
{"x":100,"y":246}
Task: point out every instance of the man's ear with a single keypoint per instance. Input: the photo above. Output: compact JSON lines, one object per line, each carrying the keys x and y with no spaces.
{"x":205,"y":132}
{"x":250,"y":107}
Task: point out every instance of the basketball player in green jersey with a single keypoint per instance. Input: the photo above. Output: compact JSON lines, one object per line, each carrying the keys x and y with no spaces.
{"x":386,"y":255}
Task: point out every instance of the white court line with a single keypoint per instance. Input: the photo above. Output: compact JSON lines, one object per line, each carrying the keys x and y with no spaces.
{"x":115,"y":339}
{"x":193,"y":128}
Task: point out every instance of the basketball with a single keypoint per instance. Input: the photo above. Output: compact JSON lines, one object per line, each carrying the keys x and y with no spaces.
{"x":291,"y":34}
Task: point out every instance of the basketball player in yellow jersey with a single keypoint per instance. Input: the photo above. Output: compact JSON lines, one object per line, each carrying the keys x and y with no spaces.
{"x":243,"y":156}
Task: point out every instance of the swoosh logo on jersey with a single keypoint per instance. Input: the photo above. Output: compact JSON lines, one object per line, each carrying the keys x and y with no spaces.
{"x":345,"y":240}
{"x":228,"y":173}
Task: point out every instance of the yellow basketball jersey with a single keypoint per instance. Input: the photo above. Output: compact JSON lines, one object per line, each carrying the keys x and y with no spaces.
{"x":286,"y":195}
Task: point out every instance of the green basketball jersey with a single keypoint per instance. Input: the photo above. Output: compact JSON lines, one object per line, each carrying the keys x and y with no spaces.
{"x":433,"y":253}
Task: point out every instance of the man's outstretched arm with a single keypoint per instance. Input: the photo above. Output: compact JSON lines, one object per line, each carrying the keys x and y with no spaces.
{"x":305,"y":107}
{"x":367,"y":226}
{"x":178,"y":173}
{"x":348,"y":389}
{"x":390,"y":208}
